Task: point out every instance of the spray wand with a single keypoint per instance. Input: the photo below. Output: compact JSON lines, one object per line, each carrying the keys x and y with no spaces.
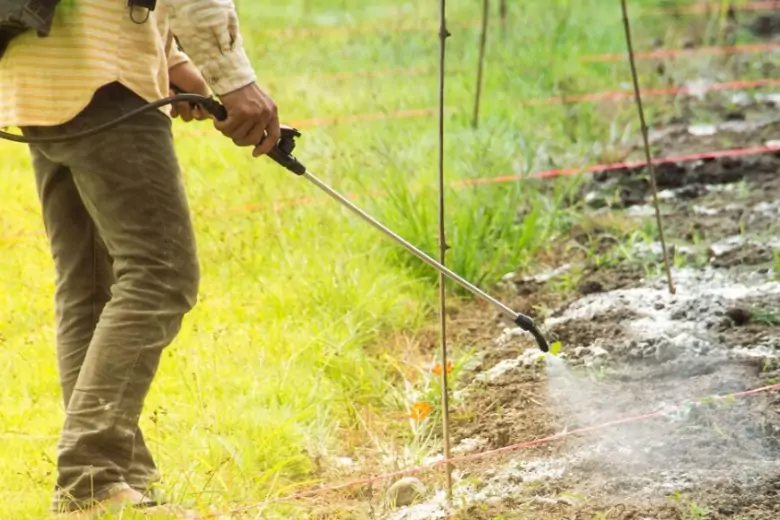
{"x":281,"y":153}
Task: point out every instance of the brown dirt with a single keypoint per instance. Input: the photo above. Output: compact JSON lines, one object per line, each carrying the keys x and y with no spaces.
{"x":692,"y":180}
{"x":766,"y":25}
{"x":609,"y":279}
{"x":586,"y":332}
{"x":746,"y":255}
{"x":515,"y":408}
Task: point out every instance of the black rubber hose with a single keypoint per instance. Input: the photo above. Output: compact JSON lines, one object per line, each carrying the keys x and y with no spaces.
{"x":208,"y":103}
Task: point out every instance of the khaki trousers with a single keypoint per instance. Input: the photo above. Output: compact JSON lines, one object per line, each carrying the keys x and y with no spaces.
{"x":116,"y":215}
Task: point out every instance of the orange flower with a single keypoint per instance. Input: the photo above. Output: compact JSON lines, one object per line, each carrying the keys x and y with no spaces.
{"x":437,"y":369}
{"x":420,"y":411}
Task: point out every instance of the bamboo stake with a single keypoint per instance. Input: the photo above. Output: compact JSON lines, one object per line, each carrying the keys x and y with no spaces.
{"x":650,"y":167}
{"x":443,"y":34}
{"x":481,"y":61}
{"x":503,"y":13}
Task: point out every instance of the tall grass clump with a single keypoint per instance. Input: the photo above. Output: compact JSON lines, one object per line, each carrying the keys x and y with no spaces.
{"x":491,"y":229}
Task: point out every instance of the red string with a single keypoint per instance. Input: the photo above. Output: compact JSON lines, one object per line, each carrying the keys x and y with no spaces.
{"x":657,"y":54}
{"x":489,"y":453}
{"x":309,"y":201}
{"x":615,"y":95}
{"x":610,"y":95}
{"x":355,"y":118}
{"x":593,"y":96}
{"x":673,"y":53}
{"x":621,"y":165}
{"x":707,"y":8}
{"x":387,"y":26}
{"x":549,"y":173}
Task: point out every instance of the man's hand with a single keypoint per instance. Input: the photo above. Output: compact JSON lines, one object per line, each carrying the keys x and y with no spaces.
{"x":187,"y":77}
{"x":251,"y":115}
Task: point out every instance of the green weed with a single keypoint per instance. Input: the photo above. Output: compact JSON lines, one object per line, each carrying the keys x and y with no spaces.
{"x":769,"y":317}
{"x":689,"y":509}
{"x":489,"y":230}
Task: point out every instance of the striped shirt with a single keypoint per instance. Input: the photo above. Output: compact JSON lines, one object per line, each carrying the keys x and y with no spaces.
{"x":48,"y":81}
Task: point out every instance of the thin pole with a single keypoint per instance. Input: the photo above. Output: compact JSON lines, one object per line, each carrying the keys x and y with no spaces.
{"x":481,"y":61}
{"x":650,"y":167}
{"x":445,"y":396}
{"x":503,"y":14}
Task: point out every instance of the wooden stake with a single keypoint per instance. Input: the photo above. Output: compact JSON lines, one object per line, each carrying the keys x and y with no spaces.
{"x":503,"y":13}
{"x":445,"y":400}
{"x":650,"y":168}
{"x":481,"y":61}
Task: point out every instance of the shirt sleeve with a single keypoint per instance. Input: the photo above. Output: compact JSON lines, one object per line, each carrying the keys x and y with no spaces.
{"x":176,"y":56}
{"x":208,"y":32}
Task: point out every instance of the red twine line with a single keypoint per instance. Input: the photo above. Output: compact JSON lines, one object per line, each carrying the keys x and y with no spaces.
{"x":376,"y":28}
{"x":310,"y":201}
{"x":490,"y":453}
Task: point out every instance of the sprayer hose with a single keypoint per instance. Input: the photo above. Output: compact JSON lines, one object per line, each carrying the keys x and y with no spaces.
{"x":192,"y":98}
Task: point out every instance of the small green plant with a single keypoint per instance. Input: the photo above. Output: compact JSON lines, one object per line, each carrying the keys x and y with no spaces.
{"x":769,"y":317}
{"x":698,"y":512}
{"x":689,"y":509}
{"x":776,"y":264}
{"x":566,"y":281}
{"x":597,"y":374}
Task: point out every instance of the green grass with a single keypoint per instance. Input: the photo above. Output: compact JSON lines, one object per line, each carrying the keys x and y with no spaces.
{"x":292,"y":344}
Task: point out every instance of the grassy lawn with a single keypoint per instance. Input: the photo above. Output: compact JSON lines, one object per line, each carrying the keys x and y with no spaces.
{"x":307,"y":316}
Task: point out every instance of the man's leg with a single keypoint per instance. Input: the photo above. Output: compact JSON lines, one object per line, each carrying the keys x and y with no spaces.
{"x":82,"y":266}
{"x":129,"y":180}
{"x":142,"y":475}
{"x":84,"y":278}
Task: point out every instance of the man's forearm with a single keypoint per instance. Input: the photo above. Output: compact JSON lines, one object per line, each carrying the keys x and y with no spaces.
{"x":209,"y":33}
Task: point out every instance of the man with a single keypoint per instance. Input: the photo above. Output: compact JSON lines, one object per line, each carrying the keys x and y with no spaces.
{"x":115,"y":211}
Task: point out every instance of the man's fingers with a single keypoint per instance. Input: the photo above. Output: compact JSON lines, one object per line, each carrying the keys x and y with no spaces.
{"x":186,"y":112}
{"x":200,"y":113}
{"x":245,"y":133}
{"x":183,"y":110}
{"x":258,"y":132}
{"x":274,"y":133}
{"x":229,"y":126}
{"x":255,"y":136}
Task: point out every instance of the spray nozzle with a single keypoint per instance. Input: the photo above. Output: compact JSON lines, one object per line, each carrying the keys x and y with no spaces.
{"x":527,"y":324}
